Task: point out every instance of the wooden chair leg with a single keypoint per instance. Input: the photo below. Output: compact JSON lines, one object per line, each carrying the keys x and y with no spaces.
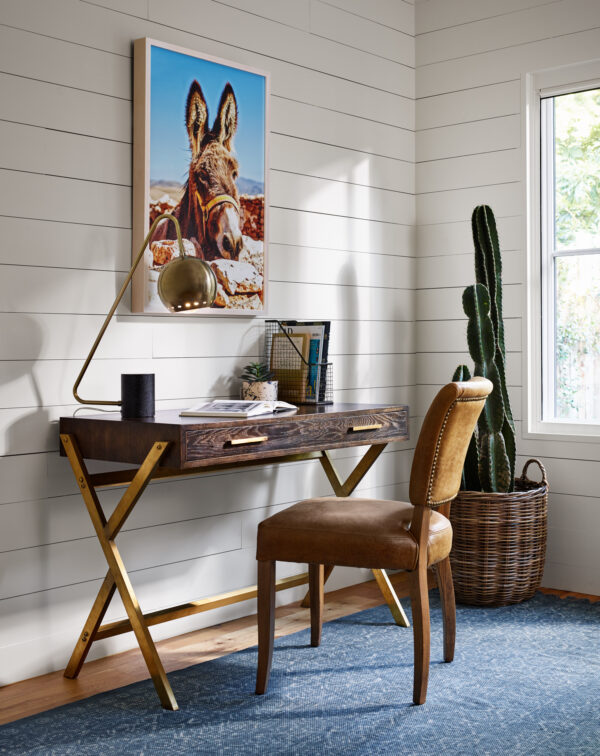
{"x":266,"y":623}
{"x":305,"y":603}
{"x":446,"y":587}
{"x":315,"y":585}
{"x":419,"y":599}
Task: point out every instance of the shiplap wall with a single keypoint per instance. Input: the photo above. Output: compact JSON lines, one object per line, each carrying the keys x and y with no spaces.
{"x":342,"y":247}
{"x":342,"y":230}
{"x":471,"y":55}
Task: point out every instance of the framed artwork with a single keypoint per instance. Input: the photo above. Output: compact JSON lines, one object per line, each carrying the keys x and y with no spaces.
{"x":200,"y":127}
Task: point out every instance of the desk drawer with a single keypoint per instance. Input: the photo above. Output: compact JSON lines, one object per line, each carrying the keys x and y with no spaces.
{"x":288,"y":436}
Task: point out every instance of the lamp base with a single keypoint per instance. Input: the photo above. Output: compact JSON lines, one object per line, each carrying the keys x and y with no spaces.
{"x":137,"y":395}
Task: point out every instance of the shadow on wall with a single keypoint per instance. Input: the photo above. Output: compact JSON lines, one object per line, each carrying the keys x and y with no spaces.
{"x":348,"y":386}
{"x":29,"y":425}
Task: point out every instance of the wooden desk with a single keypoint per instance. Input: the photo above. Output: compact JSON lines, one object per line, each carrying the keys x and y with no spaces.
{"x":173,"y":446}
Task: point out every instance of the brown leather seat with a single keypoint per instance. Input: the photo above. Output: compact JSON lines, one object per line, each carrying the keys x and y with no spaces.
{"x":371,"y":533}
{"x":381,"y":534}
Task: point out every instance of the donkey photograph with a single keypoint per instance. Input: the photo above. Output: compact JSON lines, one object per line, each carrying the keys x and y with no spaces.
{"x":209,"y":211}
{"x":206,"y":166}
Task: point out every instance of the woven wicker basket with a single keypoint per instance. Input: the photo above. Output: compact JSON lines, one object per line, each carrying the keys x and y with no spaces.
{"x":499,"y":542}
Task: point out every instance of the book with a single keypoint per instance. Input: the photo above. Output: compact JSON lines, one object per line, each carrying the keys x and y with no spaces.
{"x":324,"y":359}
{"x":314,"y":331}
{"x":289,"y":363}
{"x":236,"y":408}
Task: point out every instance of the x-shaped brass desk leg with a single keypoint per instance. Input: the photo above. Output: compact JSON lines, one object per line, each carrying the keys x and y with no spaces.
{"x":117,"y":577}
{"x":346,"y":489}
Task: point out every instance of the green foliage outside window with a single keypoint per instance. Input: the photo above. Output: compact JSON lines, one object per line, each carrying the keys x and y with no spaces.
{"x":577,"y":170}
{"x":577,"y":277}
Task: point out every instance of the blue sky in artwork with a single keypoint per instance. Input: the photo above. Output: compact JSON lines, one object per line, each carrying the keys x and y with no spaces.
{"x":170,"y":79}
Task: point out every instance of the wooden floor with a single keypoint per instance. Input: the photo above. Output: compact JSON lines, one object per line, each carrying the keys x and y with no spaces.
{"x":29,"y":697}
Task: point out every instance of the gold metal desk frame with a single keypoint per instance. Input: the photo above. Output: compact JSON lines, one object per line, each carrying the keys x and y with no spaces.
{"x":118,"y":579}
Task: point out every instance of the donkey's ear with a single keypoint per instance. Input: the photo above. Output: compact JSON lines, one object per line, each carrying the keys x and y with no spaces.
{"x":196,"y":117}
{"x":227,"y":117}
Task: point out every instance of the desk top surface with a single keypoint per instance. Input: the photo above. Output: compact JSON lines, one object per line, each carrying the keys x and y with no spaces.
{"x":171,"y":417}
{"x":199,"y":441}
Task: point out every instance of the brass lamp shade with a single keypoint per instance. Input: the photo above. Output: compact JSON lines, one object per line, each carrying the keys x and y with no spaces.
{"x":187,"y":283}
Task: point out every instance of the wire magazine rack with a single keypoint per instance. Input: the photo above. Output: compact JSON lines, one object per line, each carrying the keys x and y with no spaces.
{"x":296,"y":352}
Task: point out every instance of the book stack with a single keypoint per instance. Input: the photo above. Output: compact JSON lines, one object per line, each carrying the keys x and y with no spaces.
{"x":298,"y":353}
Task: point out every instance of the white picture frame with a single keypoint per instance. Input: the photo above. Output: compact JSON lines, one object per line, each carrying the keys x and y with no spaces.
{"x":187,"y":105}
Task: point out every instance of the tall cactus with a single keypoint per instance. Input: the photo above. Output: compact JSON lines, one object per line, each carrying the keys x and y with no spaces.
{"x":490,"y":461}
{"x":488,"y":271}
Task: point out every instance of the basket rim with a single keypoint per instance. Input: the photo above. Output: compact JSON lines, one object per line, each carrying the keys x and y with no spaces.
{"x":531,"y":488}
{"x":497,"y":496}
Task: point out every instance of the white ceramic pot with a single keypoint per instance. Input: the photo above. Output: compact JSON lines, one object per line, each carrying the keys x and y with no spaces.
{"x":259,"y":391}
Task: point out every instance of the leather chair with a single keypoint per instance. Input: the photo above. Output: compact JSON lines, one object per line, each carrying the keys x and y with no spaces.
{"x":380,"y":534}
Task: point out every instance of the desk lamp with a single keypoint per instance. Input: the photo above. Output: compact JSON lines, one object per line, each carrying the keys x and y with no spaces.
{"x":185,"y":283}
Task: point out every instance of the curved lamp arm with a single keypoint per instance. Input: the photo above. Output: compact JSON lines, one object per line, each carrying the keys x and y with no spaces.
{"x":116,"y":304}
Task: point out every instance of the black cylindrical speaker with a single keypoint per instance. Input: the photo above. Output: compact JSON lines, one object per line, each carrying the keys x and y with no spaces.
{"x":137,"y":395}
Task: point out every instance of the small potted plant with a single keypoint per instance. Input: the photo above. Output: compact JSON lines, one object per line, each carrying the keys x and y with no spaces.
{"x":258,"y":384}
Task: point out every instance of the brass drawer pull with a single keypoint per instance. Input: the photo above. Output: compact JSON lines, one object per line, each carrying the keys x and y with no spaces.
{"x":373,"y":426}
{"x":242,"y":441}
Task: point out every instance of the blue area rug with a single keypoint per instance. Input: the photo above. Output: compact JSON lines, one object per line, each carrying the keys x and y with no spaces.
{"x":525,"y":680}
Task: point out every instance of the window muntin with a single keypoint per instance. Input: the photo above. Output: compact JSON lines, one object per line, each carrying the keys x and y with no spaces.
{"x":570,"y":198}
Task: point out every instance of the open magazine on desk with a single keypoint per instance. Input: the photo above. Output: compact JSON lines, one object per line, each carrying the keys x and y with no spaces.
{"x":236,"y":408}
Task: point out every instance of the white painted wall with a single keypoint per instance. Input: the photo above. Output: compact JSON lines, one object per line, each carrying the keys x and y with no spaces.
{"x":342,"y":247}
{"x":471,"y":55}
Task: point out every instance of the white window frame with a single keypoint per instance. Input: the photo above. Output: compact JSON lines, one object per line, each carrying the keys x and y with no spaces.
{"x":538,"y":323}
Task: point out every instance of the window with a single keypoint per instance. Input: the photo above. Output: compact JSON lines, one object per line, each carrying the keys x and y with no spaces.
{"x":570,"y":256}
{"x":561,"y":313}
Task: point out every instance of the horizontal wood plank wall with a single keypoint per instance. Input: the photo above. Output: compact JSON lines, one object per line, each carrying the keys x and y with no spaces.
{"x":342,"y":246}
{"x":471,"y":55}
